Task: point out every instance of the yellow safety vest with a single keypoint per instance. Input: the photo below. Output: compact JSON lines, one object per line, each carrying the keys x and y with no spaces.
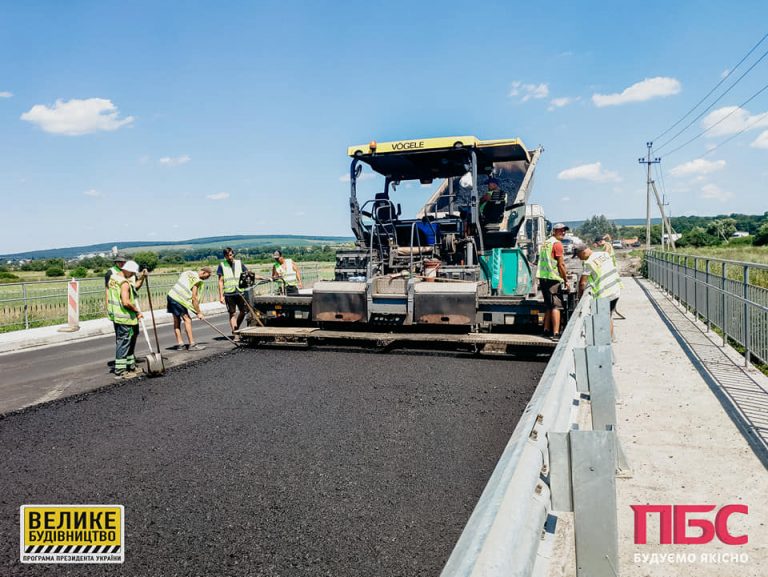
{"x":547,"y":263}
{"x":181,"y":292}
{"x":604,"y":277}
{"x":115,"y":309}
{"x":232,"y":277}
{"x":288,"y":273}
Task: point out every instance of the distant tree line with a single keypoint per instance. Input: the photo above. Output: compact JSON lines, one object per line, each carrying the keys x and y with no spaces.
{"x":696,"y":230}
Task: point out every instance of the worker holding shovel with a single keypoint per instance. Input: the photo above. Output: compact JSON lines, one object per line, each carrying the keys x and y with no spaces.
{"x":184,"y":297}
{"x":125,"y":314}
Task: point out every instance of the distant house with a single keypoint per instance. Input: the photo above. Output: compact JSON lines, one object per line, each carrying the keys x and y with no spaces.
{"x":629,"y":241}
{"x":739,"y":234}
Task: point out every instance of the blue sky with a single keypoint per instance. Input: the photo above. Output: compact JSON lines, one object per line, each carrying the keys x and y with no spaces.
{"x":172,"y":120}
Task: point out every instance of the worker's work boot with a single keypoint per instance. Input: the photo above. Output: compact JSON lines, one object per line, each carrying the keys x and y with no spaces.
{"x":196,"y":347}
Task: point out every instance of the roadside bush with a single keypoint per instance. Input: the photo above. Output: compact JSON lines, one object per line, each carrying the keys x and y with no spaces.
{"x":6,"y":276}
{"x":741,"y":241}
{"x":54,"y":271}
{"x":79,"y":272}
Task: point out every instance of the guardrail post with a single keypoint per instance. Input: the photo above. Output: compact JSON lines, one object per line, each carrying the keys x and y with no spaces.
{"x":747,"y":331}
{"x":696,"y":287}
{"x":706,"y":294}
{"x":601,"y":322}
{"x":725,"y":302}
{"x":26,"y":305}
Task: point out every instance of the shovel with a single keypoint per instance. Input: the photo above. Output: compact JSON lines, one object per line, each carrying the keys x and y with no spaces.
{"x":155,"y":366}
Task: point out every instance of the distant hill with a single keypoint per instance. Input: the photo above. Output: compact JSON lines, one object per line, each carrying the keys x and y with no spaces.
{"x":213,"y":242}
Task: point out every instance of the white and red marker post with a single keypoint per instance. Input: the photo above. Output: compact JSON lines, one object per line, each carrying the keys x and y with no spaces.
{"x":73,"y":307}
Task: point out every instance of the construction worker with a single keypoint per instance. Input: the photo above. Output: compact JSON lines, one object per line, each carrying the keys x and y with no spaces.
{"x":230,"y":293}
{"x":137,"y":282}
{"x":125,"y":315}
{"x":552,"y":274}
{"x":604,"y":243}
{"x":286,"y":270}
{"x":600,"y":275}
{"x":184,"y":297}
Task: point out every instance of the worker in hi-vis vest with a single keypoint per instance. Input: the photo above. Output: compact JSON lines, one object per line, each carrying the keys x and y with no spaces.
{"x":600,"y":275}
{"x":286,"y":270}
{"x":136,"y":280}
{"x":184,"y":297}
{"x":230,"y":293}
{"x":125,"y":314}
{"x":552,"y":278}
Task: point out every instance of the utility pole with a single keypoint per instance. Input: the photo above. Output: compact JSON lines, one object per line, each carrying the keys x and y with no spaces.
{"x":648,"y":161}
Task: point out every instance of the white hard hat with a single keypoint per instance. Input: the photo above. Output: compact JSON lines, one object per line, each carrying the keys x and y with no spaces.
{"x":131,"y":266}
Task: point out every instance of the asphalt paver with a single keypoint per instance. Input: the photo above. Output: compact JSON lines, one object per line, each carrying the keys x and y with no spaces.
{"x":272,"y":462}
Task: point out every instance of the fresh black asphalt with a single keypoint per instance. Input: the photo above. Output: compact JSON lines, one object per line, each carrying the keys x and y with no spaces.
{"x":272,"y":462}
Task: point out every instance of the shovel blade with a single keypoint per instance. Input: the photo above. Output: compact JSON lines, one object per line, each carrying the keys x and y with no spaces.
{"x":155,"y":366}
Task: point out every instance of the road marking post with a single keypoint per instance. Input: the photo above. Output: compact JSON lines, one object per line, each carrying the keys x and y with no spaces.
{"x":73,"y":307}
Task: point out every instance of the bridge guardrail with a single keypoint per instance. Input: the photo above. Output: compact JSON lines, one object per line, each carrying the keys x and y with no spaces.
{"x":721,"y":293}
{"x":547,"y":464}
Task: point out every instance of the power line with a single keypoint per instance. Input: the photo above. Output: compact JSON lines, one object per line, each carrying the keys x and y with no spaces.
{"x":740,"y":106}
{"x":757,"y":119}
{"x":708,"y":108}
{"x":723,"y":79}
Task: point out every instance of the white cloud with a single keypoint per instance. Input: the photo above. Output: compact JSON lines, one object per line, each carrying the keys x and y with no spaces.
{"x":713,"y":192}
{"x":761,"y":141}
{"x":363,"y":176}
{"x":560,"y":102}
{"x":593,"y":172}
{"x":93,"y":193}
{"x":527,"y":92}
{"x":656,"y":87}
{"x":174,"y":160}
{"x":732,"y":119}
{"x":565,"y":199}
{"x":77,"y":117}
{"x":698,"y":166}
{"x":218,"y":196}
{"x":6,"y":94}
{"x":725,"y":73}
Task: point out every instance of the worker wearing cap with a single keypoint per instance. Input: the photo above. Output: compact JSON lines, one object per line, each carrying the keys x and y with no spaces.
{"x":552,"y":274}
{"x":125,"y":314}
{"x":136,"y":281}
{"x":230,"y":293}
{"x":184,"y":297}
{"x":286,"y":270}
{"x":600,"y":275}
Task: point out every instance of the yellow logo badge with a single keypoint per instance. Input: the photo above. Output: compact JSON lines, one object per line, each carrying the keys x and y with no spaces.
{"x":72,"y":534}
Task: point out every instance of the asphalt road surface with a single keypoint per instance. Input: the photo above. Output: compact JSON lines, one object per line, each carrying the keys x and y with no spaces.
{"x":272,"y":462}
{"x":34,"y":376}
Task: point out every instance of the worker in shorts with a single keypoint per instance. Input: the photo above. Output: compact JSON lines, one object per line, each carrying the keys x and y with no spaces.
{"x":600,"y":275}
{"x":552,"y":279}
{"x":183,"y":298}
{"x":230,"y":293}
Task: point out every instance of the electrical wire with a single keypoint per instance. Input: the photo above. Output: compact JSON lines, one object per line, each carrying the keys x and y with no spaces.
{"x":723,"y":79}
{"x":739,"y":107}
{"x":715,"y":101}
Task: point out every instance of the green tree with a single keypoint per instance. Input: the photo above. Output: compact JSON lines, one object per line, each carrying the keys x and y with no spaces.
{"x":598,"y":225}
{"x":697,"y":237}
{"x":54,"y":271}
{"x":79,"y":272}
{"x":722,"y":228}
{"x":761,"y":236}
{"x":146,"y":260}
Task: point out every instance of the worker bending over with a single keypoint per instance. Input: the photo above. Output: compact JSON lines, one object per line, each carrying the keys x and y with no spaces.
{"x":184,"y":297}
{"x":230,"y":293}
{"x":125,"y":314}
{"x":287,"y":271}
{"x":600,"y":275}
{"x":552,"y":279}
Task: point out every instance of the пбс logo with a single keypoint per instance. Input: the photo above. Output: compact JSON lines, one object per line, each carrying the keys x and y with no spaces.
{"x":673,"y":525}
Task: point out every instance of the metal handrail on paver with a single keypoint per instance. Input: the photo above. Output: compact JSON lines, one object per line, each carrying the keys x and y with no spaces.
{"x":735,"y":306}
{"x":505,"y":533}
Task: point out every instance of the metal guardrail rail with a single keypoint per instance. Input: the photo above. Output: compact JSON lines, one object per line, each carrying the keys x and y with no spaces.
{"x":536,"y":473}
{"x":720,"y":293}
{"x":33,"y":304}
